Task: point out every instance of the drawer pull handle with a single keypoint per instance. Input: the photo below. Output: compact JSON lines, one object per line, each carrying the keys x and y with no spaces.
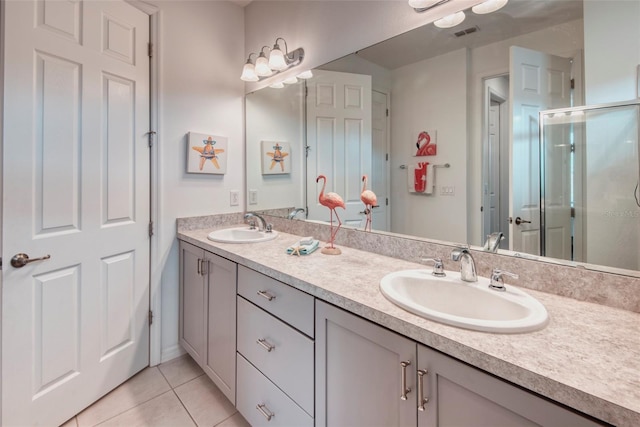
{"x":265,"y":411}
{"x":266,"y":295}
{"x":421,"y":399}
{"x":405,"y":390}
{"x":266,"y":345}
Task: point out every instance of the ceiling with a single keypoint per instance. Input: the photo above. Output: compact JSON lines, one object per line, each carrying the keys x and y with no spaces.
{"x":516,"y":18}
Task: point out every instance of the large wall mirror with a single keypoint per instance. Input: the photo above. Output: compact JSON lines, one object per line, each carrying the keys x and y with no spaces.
{"x":471,"y":97}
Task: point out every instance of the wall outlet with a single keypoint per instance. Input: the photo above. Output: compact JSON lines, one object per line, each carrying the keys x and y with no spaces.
{"x":253,"y":197}
{"x":234,"y":198}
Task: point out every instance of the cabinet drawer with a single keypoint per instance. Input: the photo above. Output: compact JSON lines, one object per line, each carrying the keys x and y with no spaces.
{"x":287,"y":303}
{"x":285,"y":356}
{"x":255,"y":389}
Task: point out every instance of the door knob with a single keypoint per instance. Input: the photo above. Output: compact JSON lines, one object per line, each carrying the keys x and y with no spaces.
{"x":521,"y":221}
{"x":20,"y":260}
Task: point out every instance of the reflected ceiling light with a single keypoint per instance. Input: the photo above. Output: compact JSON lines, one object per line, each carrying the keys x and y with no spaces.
{"x":424,"y":5}
{"x":249,"y":71}
{"x":305,"y":75}
{"x":489,"y":6}
{"x":450,"y":20}
{"x":291,"y":80}
{"x":278,"y":85}
{"x":273,"y":63}
{"x":262,"y":64}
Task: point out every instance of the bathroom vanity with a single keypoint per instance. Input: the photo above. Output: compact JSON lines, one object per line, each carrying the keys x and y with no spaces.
{"x":317,"y":344}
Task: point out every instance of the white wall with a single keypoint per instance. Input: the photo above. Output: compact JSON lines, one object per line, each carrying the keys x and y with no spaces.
{"x":420,"y":101}
{"x":276,"y":115}
{"x":328,"y":30}
{"x":201,"y":55}
{"x":612,"y":55}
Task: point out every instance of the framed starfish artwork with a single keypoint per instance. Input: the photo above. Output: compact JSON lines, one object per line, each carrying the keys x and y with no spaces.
{"x":276,"y":157}
{"x":206,"y":154}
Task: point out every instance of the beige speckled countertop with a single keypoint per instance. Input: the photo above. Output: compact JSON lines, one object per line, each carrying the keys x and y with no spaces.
{"x":588,"y":356}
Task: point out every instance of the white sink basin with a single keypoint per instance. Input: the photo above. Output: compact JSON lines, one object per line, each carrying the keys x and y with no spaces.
{"x":241,"y":235}
{"x":468,"y":305}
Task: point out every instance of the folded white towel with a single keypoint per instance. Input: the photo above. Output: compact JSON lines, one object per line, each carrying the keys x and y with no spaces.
{"x":306,"y":240}
{"x":300,"y":249}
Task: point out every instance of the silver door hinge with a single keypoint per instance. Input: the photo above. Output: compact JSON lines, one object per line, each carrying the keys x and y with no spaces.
{"x":150,"y":50}
{"x":573,"y":83}
{"x":150,"y":135}
{"x":150,"y":228}
{"x":387,"y":112}
{"x":150,"y":317}
{"x":386,"y":200}
{"x":307,"y":148}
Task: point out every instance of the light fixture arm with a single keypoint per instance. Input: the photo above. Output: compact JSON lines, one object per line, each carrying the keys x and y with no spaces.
{"x":424,"y":9}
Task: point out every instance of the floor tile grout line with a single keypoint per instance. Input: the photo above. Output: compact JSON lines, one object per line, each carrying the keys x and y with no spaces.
{"x":236,"y":411}
{"x":185,"y":408}
{"x":133,"y":407}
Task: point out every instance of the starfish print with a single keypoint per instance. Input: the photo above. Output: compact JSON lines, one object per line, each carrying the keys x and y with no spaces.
{"x":277,"y":156}
{"x":208,"y":152}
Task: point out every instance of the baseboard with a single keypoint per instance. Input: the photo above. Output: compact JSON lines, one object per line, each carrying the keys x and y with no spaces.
{"x":171,"y":353}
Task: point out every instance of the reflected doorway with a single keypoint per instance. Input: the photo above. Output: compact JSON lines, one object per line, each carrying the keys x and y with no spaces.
{"x":495,"y":189}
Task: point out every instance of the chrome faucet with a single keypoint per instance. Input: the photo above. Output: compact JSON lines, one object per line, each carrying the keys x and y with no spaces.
{"x":493,"y":241}
{"x":295,"y":212}
{"x":438,"y":267}
{"x":264,"y":226}
{"x":467,"y":264}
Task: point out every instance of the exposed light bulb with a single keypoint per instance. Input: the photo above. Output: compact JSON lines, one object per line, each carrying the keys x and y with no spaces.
{"x":249,"y":72}
{"x":262,"y":66}
{"x":278,"y":85}
{"x":290,"y":81}
{"x":276,"y":59}
{"x":450,"y":20}
{"x":489,"y":6}
{"x":422,"y":4}
{"x":305,"y":75}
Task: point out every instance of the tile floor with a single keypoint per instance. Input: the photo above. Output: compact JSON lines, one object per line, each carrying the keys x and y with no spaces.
{"x":173,"y":394}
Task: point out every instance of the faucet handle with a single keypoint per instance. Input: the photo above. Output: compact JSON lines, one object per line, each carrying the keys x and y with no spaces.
{"x":269,"y":228}
{"x":252,"y":224}
{"x":438,"y":267}
{"x":497,"y":282}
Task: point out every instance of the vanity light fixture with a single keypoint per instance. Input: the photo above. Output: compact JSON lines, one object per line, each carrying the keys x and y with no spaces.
{"x":278,"y":85}
{"x":450,"y":20}
{"x":262,"y":64}
{"x":305,"y":75}
{"x":272,"y":62}
{"x":424,"y":5}
{"x":249,"y":71}
{"x":489,"y":6}
{"x":291,"y":80}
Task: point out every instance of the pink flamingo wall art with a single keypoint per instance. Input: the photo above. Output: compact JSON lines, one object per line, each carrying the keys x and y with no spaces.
{"x":332,"y":201}
{"x":425,"y":148}
{"x":370,"y":201}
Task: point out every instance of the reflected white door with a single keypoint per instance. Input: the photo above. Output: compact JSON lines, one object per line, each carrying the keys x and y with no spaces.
{"x":379,"y":180}
{"x":539,"y":81}
{"x":339,"y":140}
{"x":76,"y":187}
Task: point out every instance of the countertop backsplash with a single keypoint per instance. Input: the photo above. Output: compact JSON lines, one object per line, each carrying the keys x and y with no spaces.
{"x":609,"y":289}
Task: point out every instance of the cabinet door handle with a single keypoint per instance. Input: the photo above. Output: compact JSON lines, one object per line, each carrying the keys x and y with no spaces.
{"x":266,"y":345}
{"x":421,"y":399}
{"x":403,"y":371}
{"x":266,"y":295}
{"x":199,"y":267}
{"x":265,"y":411}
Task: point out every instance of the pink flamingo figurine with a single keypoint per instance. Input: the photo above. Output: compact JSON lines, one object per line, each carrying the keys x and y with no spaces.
{"x":332,"y":201}
{"x":370,"y":201}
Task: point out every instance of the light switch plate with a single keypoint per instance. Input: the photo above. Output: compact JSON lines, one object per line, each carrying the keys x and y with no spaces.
{"x":253,"y":197}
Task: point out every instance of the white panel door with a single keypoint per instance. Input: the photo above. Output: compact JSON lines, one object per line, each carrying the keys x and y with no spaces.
{"x":339,"y":140}
{"x":539,"y":81}
{"x":76,"y":187}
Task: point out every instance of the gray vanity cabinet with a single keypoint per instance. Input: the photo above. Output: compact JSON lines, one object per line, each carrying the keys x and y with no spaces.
{"x":360,"y":371}
{"x":456,"y":394}
{"x":207,"y":326}
{"x":363,"y":371}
